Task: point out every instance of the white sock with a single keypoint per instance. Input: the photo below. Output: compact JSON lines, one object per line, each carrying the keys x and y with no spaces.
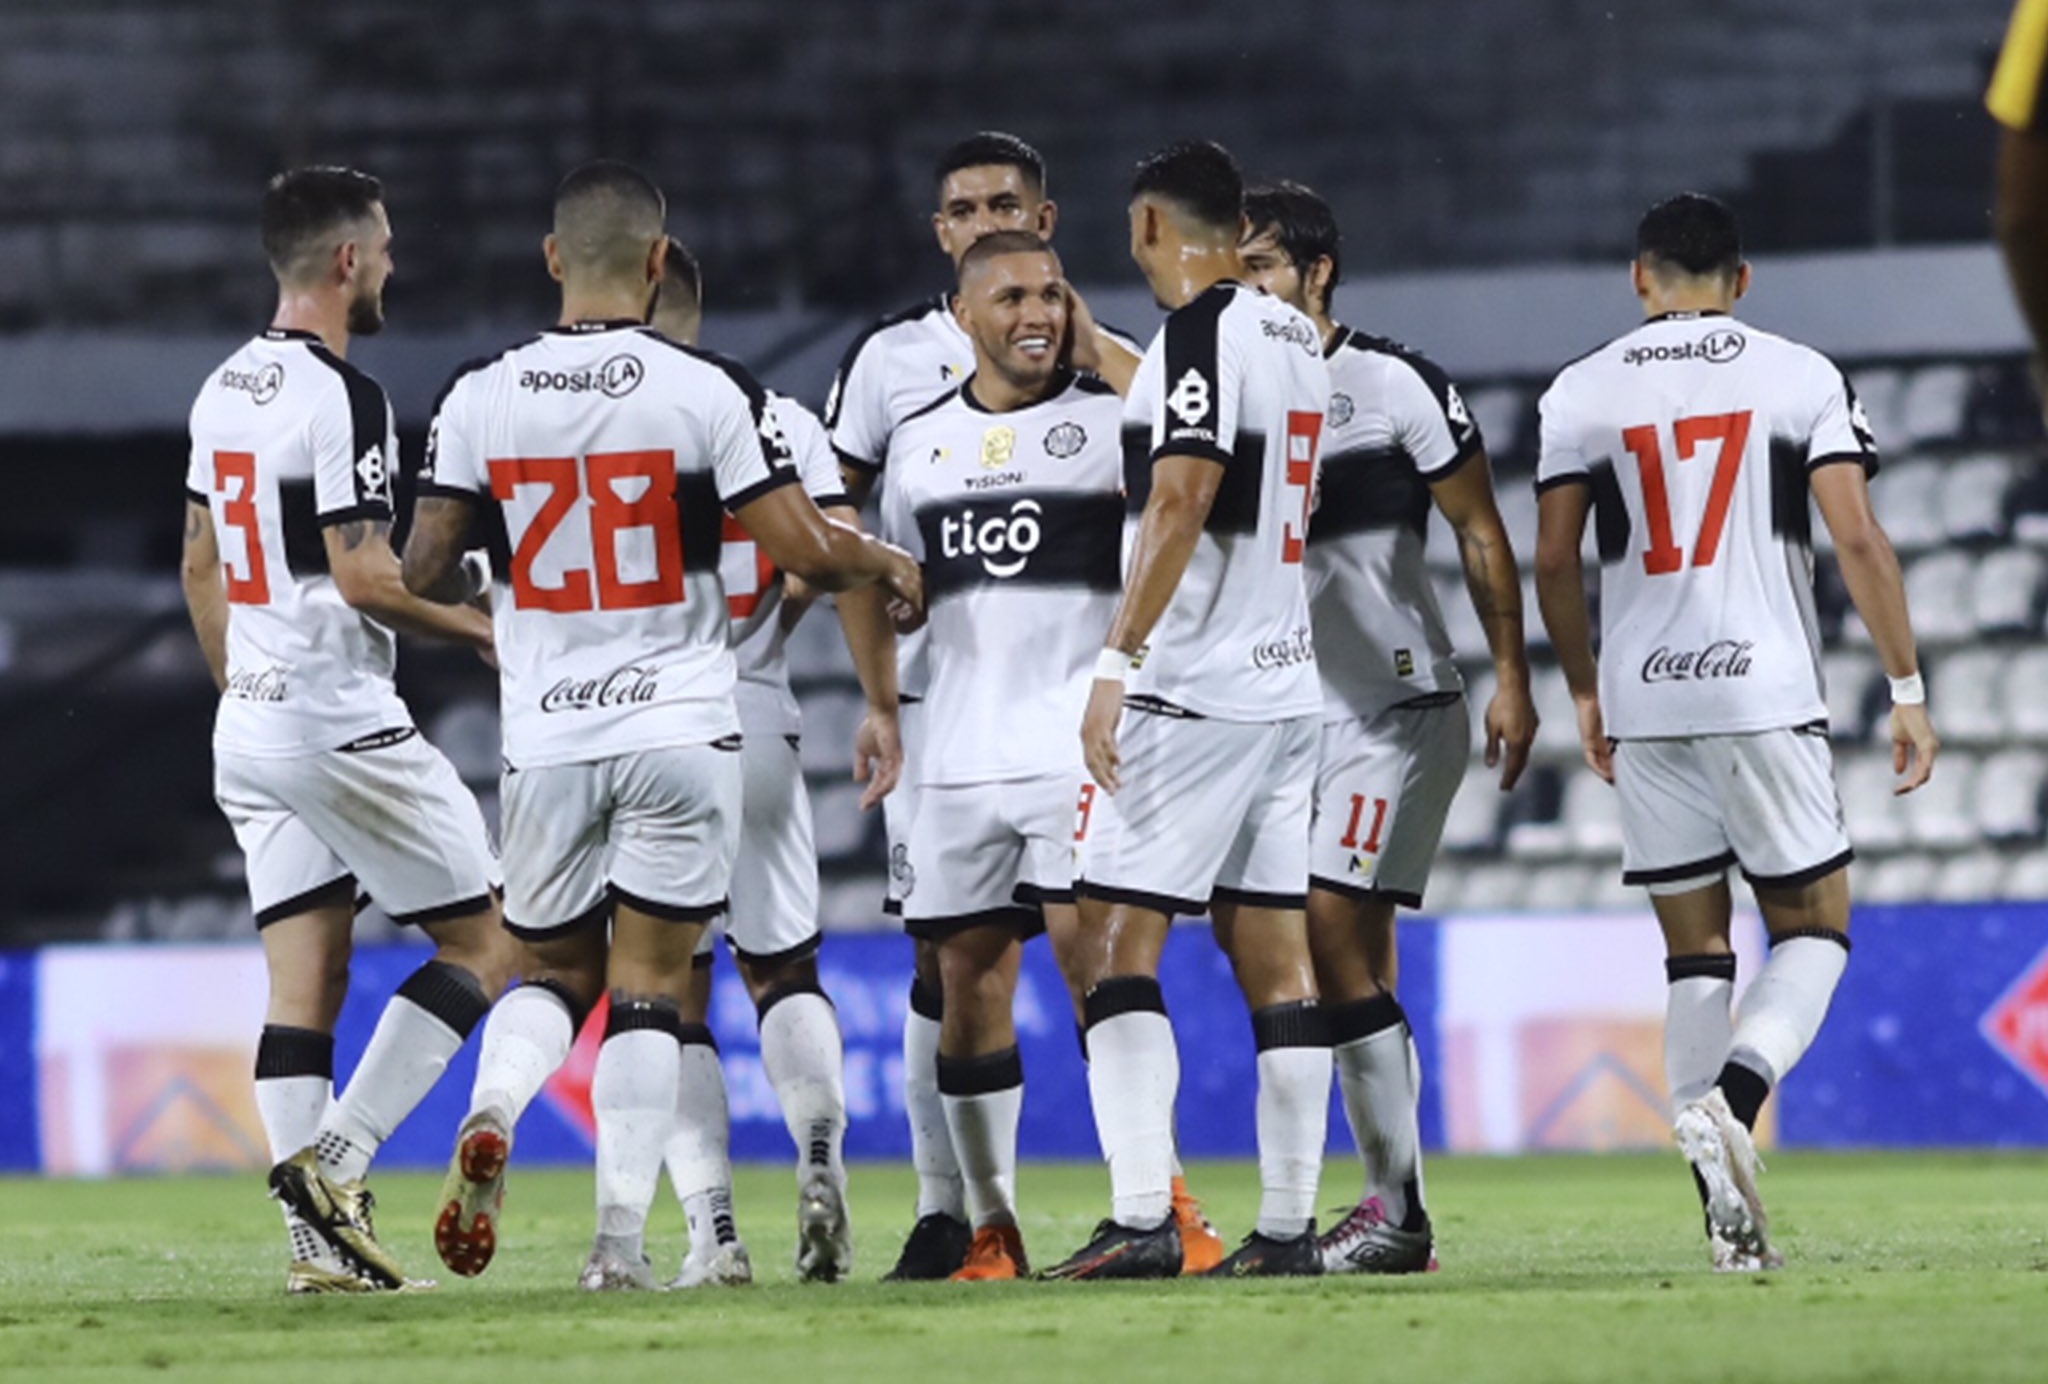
{"x":984,"y":1099}
{"x":698,"y":1153}
{"x":633,"y":1094}
{"x":1379,"y":1077}
{"x":931,"y":1145}
{"x":1782,"y":1010}
{"x":804,"y":1057}
{"x":526,"y":1040}
{"x":1293,"y":1121}
{"x":1698,"y":1026}
{"x":291,"y":1108}
{"x":1133,"y":1077}
{"x":407,"y":1054}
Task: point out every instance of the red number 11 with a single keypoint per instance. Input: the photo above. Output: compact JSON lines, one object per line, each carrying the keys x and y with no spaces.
{"x":1663,"y":555}
{"x":1371,"y":844}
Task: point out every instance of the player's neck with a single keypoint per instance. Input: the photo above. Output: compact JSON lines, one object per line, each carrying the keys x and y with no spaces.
{"x":603,"y":305}
{"x":988,"y":391}
{"x":1329,"y":327}
{"x":322,"y":314}
{"x":1688,"y":302}
{"x":1195,"y":269}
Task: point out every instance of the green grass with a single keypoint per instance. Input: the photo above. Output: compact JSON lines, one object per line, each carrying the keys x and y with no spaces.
{"x":1910,"y":1268}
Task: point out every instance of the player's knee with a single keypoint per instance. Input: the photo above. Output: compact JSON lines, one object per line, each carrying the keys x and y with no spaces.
{"x":772,"y":985}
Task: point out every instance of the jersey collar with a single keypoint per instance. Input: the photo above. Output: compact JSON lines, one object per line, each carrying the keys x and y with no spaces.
{"x":1691,"y":315}
{"x":289,"y":334}
{"x":1061,"y":383}
{"x":594,"y":325}
{"x":1337,"y":340}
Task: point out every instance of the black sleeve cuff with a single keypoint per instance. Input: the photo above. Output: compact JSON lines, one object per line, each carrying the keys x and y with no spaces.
{"x":348,"y":515}
{"x":194,"y":496}
{"x":1206,"y":451}
{"x":837,"y":500}
{"x":1455,"y":464}
{"x":775,"y":481}
{"x":448,"y":492}
{"x":873,"y":468}
{"x":1867,"y":460}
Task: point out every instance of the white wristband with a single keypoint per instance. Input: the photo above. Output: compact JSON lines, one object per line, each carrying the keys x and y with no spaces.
{"x":1113,"y":665}
{"x":1910,"y":690}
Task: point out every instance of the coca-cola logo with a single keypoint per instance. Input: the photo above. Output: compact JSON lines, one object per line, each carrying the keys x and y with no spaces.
{"x":1724,"y":658}
{"x":257,"y":685}
{"x":633,"y":685}
{"x":1296,"y":648}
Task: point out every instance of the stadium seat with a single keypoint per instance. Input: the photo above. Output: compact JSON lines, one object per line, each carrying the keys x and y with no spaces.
{"x":2026,"y":877}
{"x":1938,"y":590}
{"x":1473,"y":823}
{"x":1557,"y":730}
{"x":854,"y":904}
{"x":1900,"y":879}
{"x":2025,"y":691}
{"x":1461,"y":619}
{"x":1940,"y":814}
{"x":1592,"y":815}
{"x":1970,"y":878}
{"x":1880,"y":390}
{"x":1907,"y":499}
{"x":1492,"y":888}
{"x":1931,"y":406}
{"x":1849,"y":676}
{"x":1973,"y":502}
{"x":1874,"y":817}
{"x":1968,"y":688}
{"x":2026,"y":503}
{"x":841,"y":825}
{"x":2008,"y":799}
{"x":1606,"y":891}
{"x":817,"y":648}
{"x":831,"y":716}
{"x":1518,"y":513}
{"x":1559,"y":888}
{"x":467,"y":732}
{"x":2006,"y":591}
{"x":1500,"y":411}
{"x":1536,"y":632}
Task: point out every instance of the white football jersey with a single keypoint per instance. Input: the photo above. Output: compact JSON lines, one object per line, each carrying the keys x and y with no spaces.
{"x":1395,"y":426}
{"x":896,"y":367}
{"x":1697,"y":434}
{"x":603,"y":458}
{"x":1236,"y":377}
{"x":288,"y":438}
{"x":754,"y":586}
{"x":1017,"y":520}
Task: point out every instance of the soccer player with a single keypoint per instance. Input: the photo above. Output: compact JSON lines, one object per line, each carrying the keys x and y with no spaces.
{"x":600,"y":458}
{"x":1009,"y":489}
{"x":2021,"y":217}
{"x":295,"y":594}
{"x":773,"y":926}
{"x":1695,"y":441}
{"x":1395,"y":733}
{"x":1202,"y":724}
{"x":986,"y":182}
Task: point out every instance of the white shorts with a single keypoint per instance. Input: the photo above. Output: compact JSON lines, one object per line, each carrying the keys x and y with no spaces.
{"x":655,"y":829}
{"x":1207,"y":808}
{"x":1383,"y":789}
{"x":774,"y":915}
{"x":992,"y":853}
{"x":1766,"y":801}
{"x":390,"y":819}
{"x":899,"y":809}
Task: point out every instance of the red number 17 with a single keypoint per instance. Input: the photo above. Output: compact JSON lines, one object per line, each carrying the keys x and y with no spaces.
{"x":1663,"y":555}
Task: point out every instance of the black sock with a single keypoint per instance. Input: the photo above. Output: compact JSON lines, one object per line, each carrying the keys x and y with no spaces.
{"x":1745,"y":1090}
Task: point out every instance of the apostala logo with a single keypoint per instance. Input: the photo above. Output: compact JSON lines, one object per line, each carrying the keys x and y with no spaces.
{"x":1291,"y":330}
{"x":1342,"y":410}
{"x":1065,"y":440}
{"x":616,"y":378}
{"x":635,"y":684}
{"x":261,"y":385}
{"x":1724,"y":658}
{"x":1003,"y":542}
{"x":1715,"y":348}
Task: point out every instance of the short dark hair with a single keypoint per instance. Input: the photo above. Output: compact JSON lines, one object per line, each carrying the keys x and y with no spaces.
{"x":1004,"y":243}
{"x":682,"y":277}
{"x":1303,"y":224}
{"x":1693,"y":233}
{"x":1199,"y":177}
{"x":303,"y":207}
{"x":991,"y":148}
{"x":606,"y":215}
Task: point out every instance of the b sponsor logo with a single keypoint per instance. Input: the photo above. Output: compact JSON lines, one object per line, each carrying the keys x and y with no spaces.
{"x":1298,"y":647}
{"x":1190,"y":400}
{"x":1724,"y":658}
{"x":374,"y":475}
{"x":634,"y":684}
{"x":1342,"y":409}
{"x":1065,"y":440}
{"x":615,"y":379}
{"x":260,"y":385}
{"x":1003,"y":542}
{"x":1455,"y":412}
{"x":1715,"y":348}
{"x":258,"y":685}
{"x":1293,"y":331}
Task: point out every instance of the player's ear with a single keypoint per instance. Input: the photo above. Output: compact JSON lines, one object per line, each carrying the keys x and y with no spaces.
{"x":552,"y":252}
{"x":1317,"y":281}
{"x":657,"y":262}
{"x":959,"y":306}
{"x":1639,"y":279}
{"x":1742,"y":279}
{"x":347,"y":256}
{"x":939,"y":233}
{"x":1048,"y":217}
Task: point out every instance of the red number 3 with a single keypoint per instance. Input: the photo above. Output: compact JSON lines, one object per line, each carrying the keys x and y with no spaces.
{"x":252,"y":587}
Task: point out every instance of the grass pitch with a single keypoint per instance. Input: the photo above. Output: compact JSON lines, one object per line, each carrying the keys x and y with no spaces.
{"x":1911,"y":1268}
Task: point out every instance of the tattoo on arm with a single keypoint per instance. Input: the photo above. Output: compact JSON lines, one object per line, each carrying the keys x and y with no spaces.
{"x":356,"y":532}
{"x":195,"y":523}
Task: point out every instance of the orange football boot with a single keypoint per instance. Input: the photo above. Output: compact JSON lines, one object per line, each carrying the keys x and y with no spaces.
{"x":996,"y":1255}
{"x":1201,"y":1248}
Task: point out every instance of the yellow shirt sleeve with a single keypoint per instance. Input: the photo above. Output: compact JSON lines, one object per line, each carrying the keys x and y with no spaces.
{"x":2015,"y":95}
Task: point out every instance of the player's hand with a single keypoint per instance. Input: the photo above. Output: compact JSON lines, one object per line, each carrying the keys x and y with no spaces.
{"x":1084,"y":351}
{"x":1913,"y":747}
{"x":905,"y":581}
{"x":1510,"y":732}
{"x":877,"y":755}
{"x":1593,"y":737}
{"x":1098,"y":733}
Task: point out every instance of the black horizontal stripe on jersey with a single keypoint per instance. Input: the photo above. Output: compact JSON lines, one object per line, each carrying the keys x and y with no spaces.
{"x":1236,"y":508}
{"x":1611,"y":524}
{"x":1036,"y":538}
{"x":305,"y":546}
{"x":1791,"y":516}
{"x":700,"y":517}
{"x":1366,"y":490}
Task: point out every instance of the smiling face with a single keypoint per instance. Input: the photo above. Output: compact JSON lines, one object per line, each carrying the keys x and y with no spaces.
{"x":988,"y":197}
{"x":1014,"y":308}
